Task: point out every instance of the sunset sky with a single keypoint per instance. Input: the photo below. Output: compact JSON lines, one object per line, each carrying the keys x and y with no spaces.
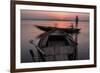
{"x":50,"y":16}
{"x":32,"y":14}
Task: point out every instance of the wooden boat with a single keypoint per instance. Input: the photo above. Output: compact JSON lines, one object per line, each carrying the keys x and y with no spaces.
{"x":67,"y":30}
{"x":57,"y":44}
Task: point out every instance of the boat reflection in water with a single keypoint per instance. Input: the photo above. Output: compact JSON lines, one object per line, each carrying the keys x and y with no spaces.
{"x":56,"y":44}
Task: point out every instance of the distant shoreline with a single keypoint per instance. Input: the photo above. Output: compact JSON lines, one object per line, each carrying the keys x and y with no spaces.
{"x":55,"y":20}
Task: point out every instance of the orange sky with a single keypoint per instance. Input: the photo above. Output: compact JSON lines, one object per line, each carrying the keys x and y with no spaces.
{"x":48,"y":15}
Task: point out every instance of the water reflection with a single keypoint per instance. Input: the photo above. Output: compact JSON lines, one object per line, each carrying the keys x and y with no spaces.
{"x":28,"y":31}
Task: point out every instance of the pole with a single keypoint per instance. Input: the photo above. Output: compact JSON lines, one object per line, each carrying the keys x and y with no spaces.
{"x":76,"y":21}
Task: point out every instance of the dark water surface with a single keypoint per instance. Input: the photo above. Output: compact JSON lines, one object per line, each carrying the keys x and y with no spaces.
{"x":28,"y":32}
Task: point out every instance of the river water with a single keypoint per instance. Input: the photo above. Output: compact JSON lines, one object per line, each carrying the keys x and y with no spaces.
{"x":30,"y":32}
